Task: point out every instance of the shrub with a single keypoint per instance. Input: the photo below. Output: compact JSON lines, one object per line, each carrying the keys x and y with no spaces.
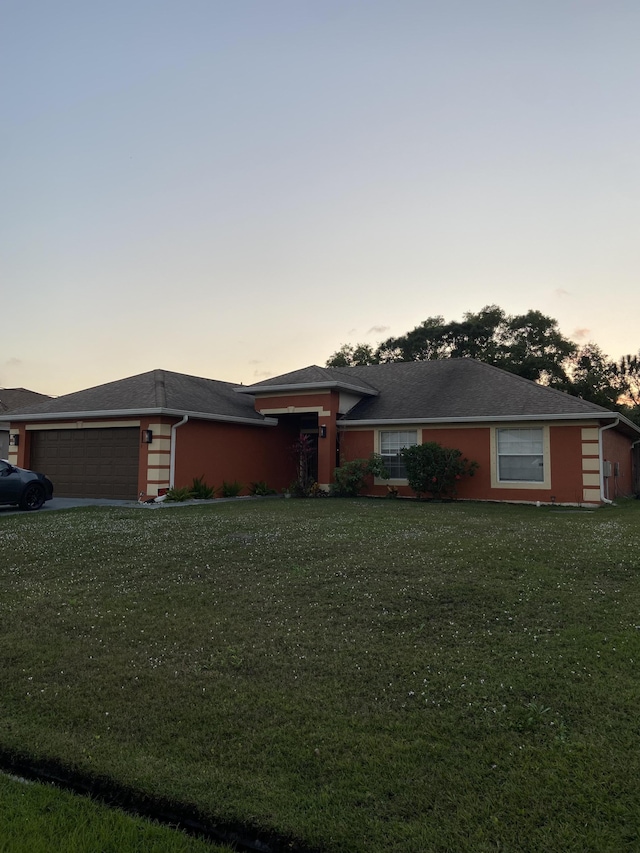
{"x":351,"y":477}
{"x":230,"y":490}
{"x":261,"y":489}
{"x":179,"y":495}
{"x":200,"y":490}
{"x":435,"y":470}
{"x":303,"y":452}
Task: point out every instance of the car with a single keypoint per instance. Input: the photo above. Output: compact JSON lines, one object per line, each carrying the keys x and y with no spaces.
{"x":27,"y":489}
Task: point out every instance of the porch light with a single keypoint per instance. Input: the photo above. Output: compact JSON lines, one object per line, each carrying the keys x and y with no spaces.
{"x":147,"y":436}
{"x":323,"y":431}
{"x":14,"y":439}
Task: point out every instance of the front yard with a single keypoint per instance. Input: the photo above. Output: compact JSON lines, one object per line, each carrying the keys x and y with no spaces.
{"x":361,"y":675}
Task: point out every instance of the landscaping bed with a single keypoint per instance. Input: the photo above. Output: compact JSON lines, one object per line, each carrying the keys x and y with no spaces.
{"x":345,"y":675}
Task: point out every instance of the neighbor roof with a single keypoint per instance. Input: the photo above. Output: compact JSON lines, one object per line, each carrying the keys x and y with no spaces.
{"x":15,"y":398}
{"x":156,"y":392}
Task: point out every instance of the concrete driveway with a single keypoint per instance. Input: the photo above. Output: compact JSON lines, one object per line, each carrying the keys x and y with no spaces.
{"x":72,"y":503}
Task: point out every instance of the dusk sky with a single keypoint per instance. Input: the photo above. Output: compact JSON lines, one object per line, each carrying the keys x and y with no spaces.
{"x":234,"y":189}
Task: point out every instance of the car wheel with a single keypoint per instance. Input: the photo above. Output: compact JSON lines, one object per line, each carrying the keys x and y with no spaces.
{"x":32,"y":497}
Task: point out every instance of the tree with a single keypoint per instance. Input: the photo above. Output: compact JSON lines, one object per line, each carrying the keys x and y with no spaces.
{"x":353,"y":356}
{"x":593,"y":377}
{"x":534,"y":347}
{"x":530,"y":345}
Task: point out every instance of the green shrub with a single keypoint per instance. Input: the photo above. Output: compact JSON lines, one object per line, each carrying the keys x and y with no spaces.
{"x":230,"y":490}
{"x":350,"y":478}
{"x":179,"y":495}
{"x":200,"y":490}
{"x":261,"y":489}
{"x":435,"y":470}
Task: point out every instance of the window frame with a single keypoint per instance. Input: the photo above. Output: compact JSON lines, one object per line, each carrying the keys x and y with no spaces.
{"x":496,"y":482}
{"x":395,"y":481}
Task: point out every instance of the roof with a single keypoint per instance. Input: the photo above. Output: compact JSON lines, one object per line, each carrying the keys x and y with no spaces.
{"x":15,"y":398}
{"x":313,"y":377}
{"x":443,"y":391}
{"x":452,"y":389}
{"x":155,"y":392}
{"x":455,"y":388}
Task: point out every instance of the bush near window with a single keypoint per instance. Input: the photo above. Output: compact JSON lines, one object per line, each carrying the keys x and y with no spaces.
{"x":350,"y":478}
{"x":436,"y":470}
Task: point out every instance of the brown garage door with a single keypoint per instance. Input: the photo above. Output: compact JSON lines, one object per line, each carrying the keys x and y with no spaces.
{"x":88,"y":463}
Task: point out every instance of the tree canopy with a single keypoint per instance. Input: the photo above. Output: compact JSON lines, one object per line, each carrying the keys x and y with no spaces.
{"x":530,"y":345}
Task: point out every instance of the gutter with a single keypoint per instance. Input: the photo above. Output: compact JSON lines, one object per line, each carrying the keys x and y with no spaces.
{"x":600,"y":431}
{"x":172,"y":462}
{"x":122,"y":413}
{"x":574,"y":416}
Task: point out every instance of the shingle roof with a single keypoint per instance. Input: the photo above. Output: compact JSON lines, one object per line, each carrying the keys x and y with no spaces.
{"x":14,"y":398}
{"x":445,"y":389}
{"x":313,"y":376}
{"x":458,"y":388}
{"x":157,"y":389}
{"x":449,"y":389}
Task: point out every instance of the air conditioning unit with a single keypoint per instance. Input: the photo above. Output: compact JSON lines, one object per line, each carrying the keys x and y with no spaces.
{"x":606,"y":468}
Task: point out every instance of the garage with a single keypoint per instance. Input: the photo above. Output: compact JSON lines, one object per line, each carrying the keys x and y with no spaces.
{"x":89,"y":463}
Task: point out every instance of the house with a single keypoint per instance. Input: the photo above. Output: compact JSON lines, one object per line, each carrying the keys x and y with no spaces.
{"x":11,"y":399}
{"x":139,"y":435}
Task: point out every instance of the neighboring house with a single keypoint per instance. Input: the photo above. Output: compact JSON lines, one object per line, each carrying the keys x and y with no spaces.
{"x":140,"y":435}
{"x":10,"y":400}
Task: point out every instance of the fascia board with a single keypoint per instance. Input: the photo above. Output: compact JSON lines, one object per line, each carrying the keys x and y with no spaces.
{"x":118,"y":413}
{"x":306,"y":386}
{"x":489,"y":419}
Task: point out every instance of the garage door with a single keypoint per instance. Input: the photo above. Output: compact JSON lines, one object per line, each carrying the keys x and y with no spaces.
{"x":88,"y":463}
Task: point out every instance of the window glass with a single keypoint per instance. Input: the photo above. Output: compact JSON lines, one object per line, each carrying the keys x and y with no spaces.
{"x":391,"y":443}
{"x":520,"y":455}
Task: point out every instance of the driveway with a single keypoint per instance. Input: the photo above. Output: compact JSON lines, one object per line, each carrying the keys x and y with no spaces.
{"x":72,"y":503}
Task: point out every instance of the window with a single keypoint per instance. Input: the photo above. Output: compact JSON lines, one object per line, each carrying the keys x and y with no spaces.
{"x":391,"y":443}
{"x":520,"y":455}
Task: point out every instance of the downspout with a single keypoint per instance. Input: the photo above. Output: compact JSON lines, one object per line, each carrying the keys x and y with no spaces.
{"x":602,"y":429}
{"x":634,"y":468}
{"x":172,"y":462}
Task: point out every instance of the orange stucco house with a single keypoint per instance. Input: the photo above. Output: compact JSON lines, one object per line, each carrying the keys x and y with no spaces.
{"x":138,"y":436}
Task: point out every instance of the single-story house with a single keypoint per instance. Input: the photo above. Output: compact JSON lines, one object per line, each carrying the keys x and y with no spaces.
{"x":10,"y":400}
{"x":138,"y":436}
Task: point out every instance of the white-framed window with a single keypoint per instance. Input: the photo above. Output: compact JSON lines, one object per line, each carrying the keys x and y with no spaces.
{"x":520,"y":455}
{"x":391,"y":442}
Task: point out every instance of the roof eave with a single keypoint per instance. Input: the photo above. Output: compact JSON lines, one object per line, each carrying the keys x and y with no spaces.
{"x":612,"y":416}
{"x":127,"y":413}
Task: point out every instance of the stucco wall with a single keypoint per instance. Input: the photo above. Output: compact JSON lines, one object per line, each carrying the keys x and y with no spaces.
{"x":220,"y":451}
{"x":572,"y":461}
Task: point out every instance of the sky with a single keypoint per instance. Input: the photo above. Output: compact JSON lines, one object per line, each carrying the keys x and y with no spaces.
{"x":235,"y":188}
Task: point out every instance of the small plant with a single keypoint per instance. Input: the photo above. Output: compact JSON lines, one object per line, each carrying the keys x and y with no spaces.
{"x":435,"y":470}
{"x":230,"y":490}
{"x":179,"y":495}
{"x":261,"y":489}
{"x":351,"y":477}
{"x":304,"y":452}
{"x":200,"y":490}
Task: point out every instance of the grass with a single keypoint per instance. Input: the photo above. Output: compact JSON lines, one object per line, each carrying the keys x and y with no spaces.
{"x":40,"y":819}
{"x":358,"y":675}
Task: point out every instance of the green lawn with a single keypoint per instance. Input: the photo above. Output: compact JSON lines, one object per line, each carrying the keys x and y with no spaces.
{"x":42,"y":819}
{"x":363,"y":675}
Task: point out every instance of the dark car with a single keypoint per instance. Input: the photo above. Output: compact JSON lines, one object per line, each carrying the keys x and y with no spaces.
{"x":27,"y":489}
